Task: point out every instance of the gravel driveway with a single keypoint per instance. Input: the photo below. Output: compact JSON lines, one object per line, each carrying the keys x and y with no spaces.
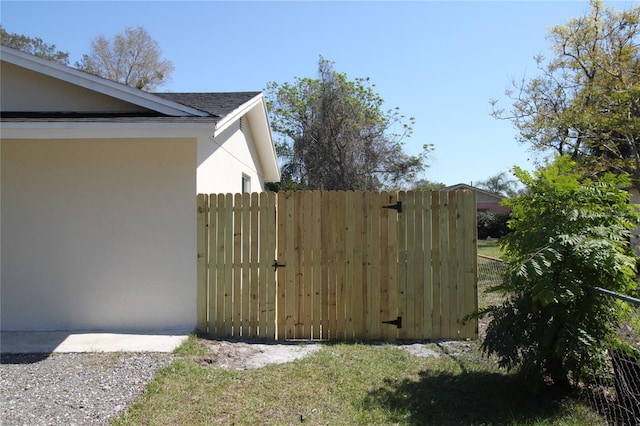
{"x":72,"y":388}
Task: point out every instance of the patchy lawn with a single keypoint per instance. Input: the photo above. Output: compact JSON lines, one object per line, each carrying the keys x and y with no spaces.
{"x":446,"y":383}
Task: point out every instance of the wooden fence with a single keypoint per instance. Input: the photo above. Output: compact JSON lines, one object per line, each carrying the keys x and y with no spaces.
{"x":337,"y":265}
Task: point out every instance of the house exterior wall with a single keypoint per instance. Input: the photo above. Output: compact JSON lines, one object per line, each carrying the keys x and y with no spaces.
{"x":98,"y":234}
{"x":488,"y":203}
{"x":223,"y":160}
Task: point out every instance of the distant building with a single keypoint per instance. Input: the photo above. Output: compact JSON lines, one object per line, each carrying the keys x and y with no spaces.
{"x":486,"y":201}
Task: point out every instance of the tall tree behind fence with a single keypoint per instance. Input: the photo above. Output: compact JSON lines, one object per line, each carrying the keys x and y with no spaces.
{"x":337,"y":265}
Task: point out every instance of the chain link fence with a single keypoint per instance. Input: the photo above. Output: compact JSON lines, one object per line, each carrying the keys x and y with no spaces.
{"x":612,"y":391}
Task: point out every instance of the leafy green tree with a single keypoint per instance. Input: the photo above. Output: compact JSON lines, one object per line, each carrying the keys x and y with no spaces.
{"x":132,"y":58}
{"x":426,"y":185}
{"x":568,"y":232}
{"x":586,"y":101}
{"x":334,"y":134}
{"x":500,"y":184}
{"x":34,"y":46}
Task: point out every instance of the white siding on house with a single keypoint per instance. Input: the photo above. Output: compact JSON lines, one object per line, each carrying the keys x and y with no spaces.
{"x":223,"y":161}
{"x":102,"y":234}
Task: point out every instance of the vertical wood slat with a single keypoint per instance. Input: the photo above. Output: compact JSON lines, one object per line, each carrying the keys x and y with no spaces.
{"x":325,"y":222}
{"x":316,"y":259}
{"x":418,"y":281}
{"x":357,"y":303}
{"x":453,"y":283}
{"x":254,"y":290}
{"x":217,"y":297}
{"x":394,"y":257}
{"x":368,"y":286}
{"x":409,"y":322}
{"x":281,"y":272}
{"x":436,"y":266}
{"x":350,"y":265}
{"x":306,"y":277}
{"x":237,"y":265}
{"x":385,"y":310}
{"x":402,"y":266}
{"x":267,"y":254}
{"x":374,"y":321}
{"x":339,"y":226}
{"x":202,"y":239}
{"x":459,"y":271}
{"x":290,"y":268}
{"x":427,"y":265}
{"x":298,"y":267}
{"x":445,"y":288}
{"x":332,"y":229}
{"x":228,"y":266}
{"x":469,"y":266}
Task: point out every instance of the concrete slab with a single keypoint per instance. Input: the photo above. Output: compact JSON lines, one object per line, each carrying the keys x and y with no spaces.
{"x":60,"y":341}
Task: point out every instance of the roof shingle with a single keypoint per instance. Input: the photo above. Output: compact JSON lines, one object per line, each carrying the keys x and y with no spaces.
{"x":218,"y":104}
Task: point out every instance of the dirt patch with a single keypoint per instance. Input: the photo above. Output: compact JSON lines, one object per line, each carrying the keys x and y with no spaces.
{"x":244,"y":356}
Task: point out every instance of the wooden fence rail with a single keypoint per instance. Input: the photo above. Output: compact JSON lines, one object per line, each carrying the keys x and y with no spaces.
{"x":337,"y":265}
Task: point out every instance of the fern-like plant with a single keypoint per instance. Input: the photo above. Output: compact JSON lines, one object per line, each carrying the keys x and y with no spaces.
{"x":567,"y":233}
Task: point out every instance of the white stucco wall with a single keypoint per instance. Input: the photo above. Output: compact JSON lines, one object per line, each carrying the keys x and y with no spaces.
{"x":98,"y":234}
{"x":223,"y":160}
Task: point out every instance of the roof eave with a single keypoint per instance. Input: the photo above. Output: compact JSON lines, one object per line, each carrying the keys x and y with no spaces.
{"x":256,"y":112}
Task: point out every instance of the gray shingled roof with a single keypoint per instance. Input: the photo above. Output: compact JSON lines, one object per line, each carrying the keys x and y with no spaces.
{"x":218,"y":104}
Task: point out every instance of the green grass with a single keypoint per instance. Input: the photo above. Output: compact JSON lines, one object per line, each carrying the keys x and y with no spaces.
{"x":489,"y":248}
{"x":351,"y":384}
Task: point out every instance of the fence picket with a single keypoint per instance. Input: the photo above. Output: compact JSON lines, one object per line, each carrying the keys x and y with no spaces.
{"x":350,"y":265}
{"x":203,"y":262}
{"x":339,"y":263}
{"x":281,"y":311}
{"x":427,"y":265}
{"x":436,"y":266}
{"x":418,"y":274}
{"x":393,"y":257}
{"x":266,"y":320}
{"x":358,"y":302}
{"x":469,"y":265}
{"x":374,"y":321}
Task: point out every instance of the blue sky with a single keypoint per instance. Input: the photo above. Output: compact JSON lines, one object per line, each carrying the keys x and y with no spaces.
{"x":440,"y":62}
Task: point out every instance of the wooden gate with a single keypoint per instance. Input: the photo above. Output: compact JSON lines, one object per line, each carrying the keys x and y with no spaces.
{"x":337,"y":265}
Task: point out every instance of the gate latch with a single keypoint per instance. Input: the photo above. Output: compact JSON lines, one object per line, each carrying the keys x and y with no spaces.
{"x":397,"y":206}
{"x":276,"y":265}
{"x":397,"y":322}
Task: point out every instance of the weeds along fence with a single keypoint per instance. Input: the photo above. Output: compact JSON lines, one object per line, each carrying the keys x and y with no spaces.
{"x":613,"y":391}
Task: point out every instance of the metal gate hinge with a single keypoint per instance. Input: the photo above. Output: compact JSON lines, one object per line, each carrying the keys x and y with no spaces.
{"x":397,"y":206}
{"x":397,"y":322}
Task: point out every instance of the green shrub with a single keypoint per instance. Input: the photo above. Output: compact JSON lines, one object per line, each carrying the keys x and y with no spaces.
{"x":492,"y":225}
{"x":567,"y":233}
